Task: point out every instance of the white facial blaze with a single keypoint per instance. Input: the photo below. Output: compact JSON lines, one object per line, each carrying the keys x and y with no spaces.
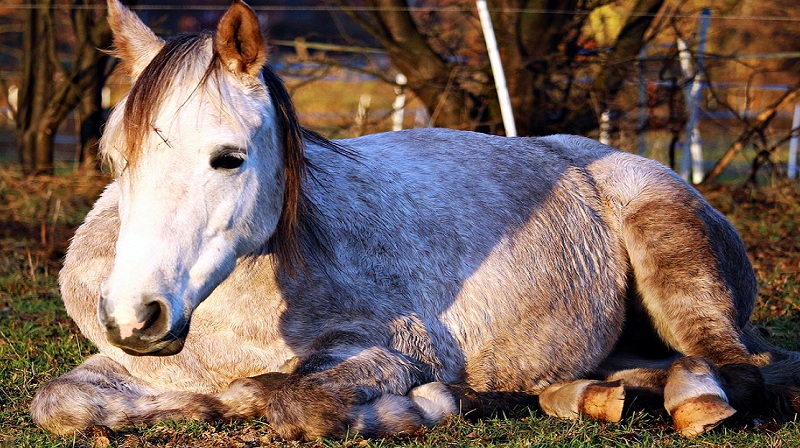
{"x":183,"y":222}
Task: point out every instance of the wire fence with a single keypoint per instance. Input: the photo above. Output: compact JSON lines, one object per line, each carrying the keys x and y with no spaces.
{"x":646,"y":129}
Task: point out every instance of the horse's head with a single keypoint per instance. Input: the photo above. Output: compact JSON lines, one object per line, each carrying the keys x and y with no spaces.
{"x":201,"y":172}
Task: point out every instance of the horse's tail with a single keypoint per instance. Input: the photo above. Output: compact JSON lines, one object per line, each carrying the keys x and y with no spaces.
{"x":781,"y":374}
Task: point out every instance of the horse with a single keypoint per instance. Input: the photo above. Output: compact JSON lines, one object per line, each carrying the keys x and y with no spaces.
{"x":241,"y":266}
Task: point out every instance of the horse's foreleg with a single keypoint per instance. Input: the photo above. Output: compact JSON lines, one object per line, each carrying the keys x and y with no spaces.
{"x":101,"y":392}
{"x":345,"y":384}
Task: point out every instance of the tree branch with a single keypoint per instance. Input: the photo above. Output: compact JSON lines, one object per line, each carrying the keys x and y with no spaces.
{"x":627,"y":48}
{"x":757,"y":128}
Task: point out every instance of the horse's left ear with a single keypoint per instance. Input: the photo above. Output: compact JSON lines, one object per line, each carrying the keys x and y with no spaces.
{"x":239,"y":41}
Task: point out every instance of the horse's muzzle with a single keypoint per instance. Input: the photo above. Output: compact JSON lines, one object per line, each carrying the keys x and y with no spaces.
{"x":153,"y":335}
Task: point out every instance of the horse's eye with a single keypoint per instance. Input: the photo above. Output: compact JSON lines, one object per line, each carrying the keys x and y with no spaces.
{"x":227,"y":161}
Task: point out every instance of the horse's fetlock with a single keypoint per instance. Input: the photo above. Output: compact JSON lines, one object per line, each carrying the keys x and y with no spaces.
{"x":744,"y":386}
{"x":387,"y":415}
{"x":435,"y":400}
{"x":694,"y":396}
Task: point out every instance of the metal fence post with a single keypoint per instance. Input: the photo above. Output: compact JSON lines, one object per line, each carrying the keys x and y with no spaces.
{"x":791,"y":169}
{"x":497,"y":69}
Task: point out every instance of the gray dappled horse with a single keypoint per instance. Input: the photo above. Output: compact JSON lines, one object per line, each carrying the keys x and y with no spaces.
{"x":241,"y":266}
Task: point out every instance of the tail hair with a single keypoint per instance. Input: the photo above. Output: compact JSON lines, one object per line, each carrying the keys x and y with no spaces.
{"x":781,"y":372}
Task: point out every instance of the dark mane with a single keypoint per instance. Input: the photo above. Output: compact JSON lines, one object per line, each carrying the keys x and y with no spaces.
{"x":285,"y":242}
{"x":298,"y":212}
{"x":147,"y":94}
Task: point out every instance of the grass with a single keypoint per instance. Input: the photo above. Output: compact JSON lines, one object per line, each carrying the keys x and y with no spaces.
{"x":38,"y":341}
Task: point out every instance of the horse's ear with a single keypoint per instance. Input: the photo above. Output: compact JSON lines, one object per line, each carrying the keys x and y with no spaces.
{"x":239,"y":41}
{"x":134,"y":43}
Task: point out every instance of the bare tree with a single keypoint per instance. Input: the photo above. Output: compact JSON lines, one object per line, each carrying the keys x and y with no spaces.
{"x":49,"y":89}
{"x":539,"y":42}
{"x":755,"y":130}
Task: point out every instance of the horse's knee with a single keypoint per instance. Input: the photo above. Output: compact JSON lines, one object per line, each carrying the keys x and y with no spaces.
{"x":248,"y":397}
{"x":76,"y":400}
{"x":694,"y":396}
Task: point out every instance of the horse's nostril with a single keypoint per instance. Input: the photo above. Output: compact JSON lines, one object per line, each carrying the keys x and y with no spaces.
{"x":155,"y":316}
{"x":145,"y":323}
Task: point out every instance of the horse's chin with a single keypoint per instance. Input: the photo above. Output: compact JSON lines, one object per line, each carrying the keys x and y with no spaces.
{"x":172,"y":347}
{"x":169,"y":345}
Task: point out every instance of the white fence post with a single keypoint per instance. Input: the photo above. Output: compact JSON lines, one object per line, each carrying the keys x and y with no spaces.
{"x":497,"y":69}
{"x":605,"y":127}
{"x":399,"y":105}
{"x":791,"y":169}
{"x":361,"y":114}
{"x":693,"y":147}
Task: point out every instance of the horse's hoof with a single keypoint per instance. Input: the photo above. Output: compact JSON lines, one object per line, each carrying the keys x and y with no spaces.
{"x":700,"y":414}
{"x":694,"y":397}
{"x":594,"y":399}
{"x":604,"y":401}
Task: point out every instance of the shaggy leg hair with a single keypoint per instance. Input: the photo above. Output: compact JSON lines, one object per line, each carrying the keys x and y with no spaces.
{"x":100,"y":392}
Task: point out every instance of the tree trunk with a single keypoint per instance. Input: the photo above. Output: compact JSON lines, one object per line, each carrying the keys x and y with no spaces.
{"x":91,"y":34}
{"x":538,"y":51}
{"x":34,"y":135}
{"x":429,"y":76}
{"x":621,"y":60}
{"x":45,"y":103}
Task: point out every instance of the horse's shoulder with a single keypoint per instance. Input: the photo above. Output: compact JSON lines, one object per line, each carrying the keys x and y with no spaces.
{"x":98,"y":233}
{"x":87,"y":263}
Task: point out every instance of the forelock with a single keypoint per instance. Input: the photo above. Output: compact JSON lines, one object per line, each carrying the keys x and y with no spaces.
{"x":183,"y":59}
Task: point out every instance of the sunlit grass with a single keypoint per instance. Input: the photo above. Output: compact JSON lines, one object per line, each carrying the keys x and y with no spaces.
{"x":38,"y":341}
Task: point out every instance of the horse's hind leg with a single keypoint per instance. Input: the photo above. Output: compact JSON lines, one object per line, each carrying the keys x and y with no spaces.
{"x":101,"y":392}
{"x":597,"y":400}
{"x":692,"y":391}
{"x":691,"y":274}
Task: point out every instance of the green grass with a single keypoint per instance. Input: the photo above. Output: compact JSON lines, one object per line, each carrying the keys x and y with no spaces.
{"x":38,"y":341}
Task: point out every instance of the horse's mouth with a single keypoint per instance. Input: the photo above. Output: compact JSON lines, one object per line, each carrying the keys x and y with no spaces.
{"x":171,"y":344}
{"x":172,"y":347}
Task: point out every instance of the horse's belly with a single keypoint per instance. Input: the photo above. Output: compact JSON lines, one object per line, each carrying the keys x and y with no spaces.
{"x":548,"y":303}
